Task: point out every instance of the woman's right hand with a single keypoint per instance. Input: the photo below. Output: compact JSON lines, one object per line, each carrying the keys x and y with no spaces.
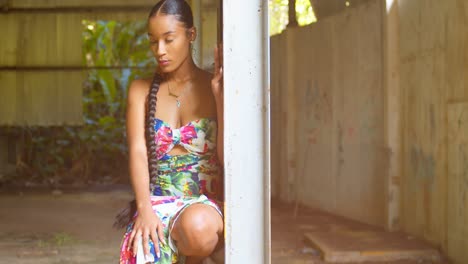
{"x":149,"y":226}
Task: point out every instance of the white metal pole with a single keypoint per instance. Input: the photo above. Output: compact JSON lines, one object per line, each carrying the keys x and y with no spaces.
{"x":246,"y":131}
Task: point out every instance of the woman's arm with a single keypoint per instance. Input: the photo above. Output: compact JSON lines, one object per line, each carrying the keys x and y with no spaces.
{"x":147,"y":222}
{"x":218,"y":92}
{"x":138,"y":160}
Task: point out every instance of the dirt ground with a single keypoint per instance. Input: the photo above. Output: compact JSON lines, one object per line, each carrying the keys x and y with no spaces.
{"x":76,"y":227}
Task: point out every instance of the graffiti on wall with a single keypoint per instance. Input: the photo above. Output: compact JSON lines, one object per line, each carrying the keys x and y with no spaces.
{"x":318,"y":109}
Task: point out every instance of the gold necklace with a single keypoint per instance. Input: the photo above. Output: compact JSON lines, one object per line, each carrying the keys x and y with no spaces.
{"x":176,"y":96}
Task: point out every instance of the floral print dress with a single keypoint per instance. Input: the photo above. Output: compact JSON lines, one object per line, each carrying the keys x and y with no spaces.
{"x":182,"y":180}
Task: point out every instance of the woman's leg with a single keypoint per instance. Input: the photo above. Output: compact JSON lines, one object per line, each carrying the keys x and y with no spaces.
{"x":197,"y":232}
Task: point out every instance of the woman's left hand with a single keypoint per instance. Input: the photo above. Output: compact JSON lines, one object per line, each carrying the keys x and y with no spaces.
{"x":217,"y":81}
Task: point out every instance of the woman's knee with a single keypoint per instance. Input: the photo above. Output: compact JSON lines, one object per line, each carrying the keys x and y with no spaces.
{"x":197,"y":230}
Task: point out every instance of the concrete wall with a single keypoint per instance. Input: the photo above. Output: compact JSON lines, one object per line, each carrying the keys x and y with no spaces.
{"x":434,"y":84}
{"x":327,"y":115}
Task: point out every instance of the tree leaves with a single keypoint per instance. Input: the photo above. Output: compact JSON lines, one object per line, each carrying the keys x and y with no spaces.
{"x":98,"y":148}
{"x":279,"y":18}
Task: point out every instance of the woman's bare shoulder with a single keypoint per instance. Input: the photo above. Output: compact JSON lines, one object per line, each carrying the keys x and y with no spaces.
{"x":139,"y":88}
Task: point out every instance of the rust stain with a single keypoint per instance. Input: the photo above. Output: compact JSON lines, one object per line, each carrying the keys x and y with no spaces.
{"x":312,"y":136}
{"x":312,"y":140}
{"x":292,"y":163}
{"x":351,"y":132}
{"x":396,"y":180}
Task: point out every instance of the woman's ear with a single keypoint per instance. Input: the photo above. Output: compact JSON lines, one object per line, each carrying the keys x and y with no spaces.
{"x":192,"y":34}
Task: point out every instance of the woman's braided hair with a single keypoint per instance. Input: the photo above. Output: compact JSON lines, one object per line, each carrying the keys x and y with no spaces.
{"x":149,"y":127}
{"x":183,"y":13}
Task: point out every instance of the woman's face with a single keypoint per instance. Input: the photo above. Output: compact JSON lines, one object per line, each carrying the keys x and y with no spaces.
{"x":169,"y":41}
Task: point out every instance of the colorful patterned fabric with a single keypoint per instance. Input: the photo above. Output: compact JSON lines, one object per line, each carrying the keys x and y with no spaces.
{"x":198,"y":137}
{"x":182,"y":181}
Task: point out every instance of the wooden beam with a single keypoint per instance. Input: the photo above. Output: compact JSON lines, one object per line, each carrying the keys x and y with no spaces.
{"x":74,"y":9}
{"x":65,"y":68}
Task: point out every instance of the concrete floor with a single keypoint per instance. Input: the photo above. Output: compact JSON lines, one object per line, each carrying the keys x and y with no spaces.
{"x":52,"y":228}
{"x":290,"y":246}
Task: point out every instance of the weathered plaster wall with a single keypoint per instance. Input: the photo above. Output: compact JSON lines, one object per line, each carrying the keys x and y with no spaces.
{"x":327,"y":115}
{"x":434,"y":85}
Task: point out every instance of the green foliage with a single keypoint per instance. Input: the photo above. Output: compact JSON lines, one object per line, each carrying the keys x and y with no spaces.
{"x":278,"y":11}
{"x":279,"y":15}
{"x":304,"y":12}
{"x":96,"y":151}
{"x":62,"y":238}
{"x":56,"y":240}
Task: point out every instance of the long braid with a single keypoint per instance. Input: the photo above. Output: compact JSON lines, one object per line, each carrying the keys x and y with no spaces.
{"x":126,"y":215}
{"x":149,"y":129}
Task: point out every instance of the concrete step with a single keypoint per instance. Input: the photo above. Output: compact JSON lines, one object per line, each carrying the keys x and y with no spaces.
{"x":344,"y":245}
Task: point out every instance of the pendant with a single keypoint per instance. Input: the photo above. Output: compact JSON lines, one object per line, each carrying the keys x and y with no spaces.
{"x":178,"y":103}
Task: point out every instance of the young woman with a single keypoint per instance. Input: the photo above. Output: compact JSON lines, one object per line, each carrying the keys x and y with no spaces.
{"x":175,"y":136}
